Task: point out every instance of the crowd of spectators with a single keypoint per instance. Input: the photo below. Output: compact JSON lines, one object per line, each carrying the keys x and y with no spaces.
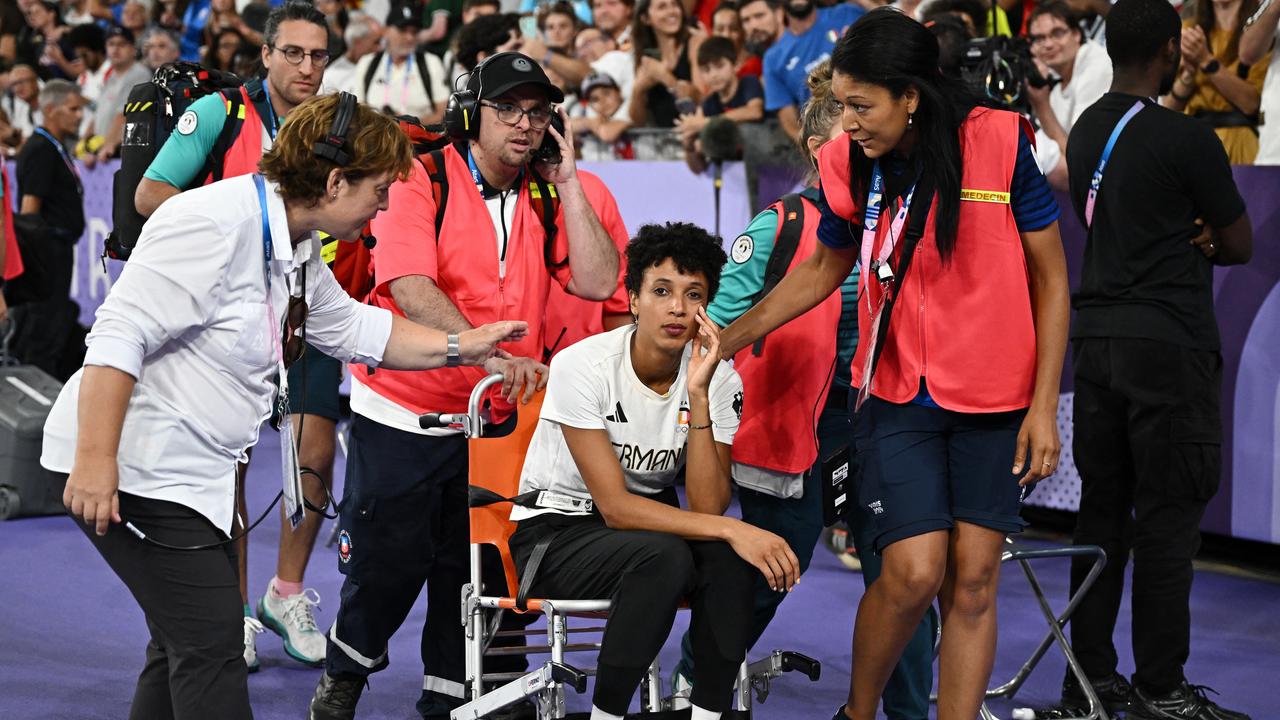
{"x":642,"y":78}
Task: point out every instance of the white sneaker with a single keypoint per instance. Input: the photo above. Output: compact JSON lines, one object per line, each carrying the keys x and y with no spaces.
{"x":251,"y":630}
{"x":294,"y":620}
{"x":681,"y":691}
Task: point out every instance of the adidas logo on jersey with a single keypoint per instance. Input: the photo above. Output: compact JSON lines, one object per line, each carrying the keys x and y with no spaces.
{"x":618,"y":416}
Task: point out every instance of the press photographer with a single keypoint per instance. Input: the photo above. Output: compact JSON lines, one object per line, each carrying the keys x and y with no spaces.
{"x":1079,"y":72}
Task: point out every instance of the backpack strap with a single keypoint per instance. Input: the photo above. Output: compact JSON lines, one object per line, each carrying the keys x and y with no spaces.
{"x":433,"y":163}
{"x":421,"y":60}
{"x":370,"y":71}
{"x":791,"y":208}
{"x":546,"y":203}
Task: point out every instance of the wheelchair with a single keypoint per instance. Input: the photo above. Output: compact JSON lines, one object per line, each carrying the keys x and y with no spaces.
{"x":494,"y":474}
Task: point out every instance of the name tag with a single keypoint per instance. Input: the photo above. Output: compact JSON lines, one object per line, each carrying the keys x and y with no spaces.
{"x":556,"y":501}
{"x":987,"y":196}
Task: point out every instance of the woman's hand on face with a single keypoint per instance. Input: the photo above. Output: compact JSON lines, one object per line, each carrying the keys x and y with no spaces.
{"x":706,"y":353}
{"x":91,"y":495}
{"x":1038,"y":447}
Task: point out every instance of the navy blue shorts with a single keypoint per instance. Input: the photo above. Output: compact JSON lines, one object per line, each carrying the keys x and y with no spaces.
{"x":923,"y":468}
{"x":313,"y":385}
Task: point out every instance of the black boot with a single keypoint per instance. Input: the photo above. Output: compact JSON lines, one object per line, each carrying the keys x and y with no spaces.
{"x":336,"y":697}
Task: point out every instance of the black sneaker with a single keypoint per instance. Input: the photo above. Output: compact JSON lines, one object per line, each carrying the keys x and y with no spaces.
{"x":1115,"y":693}
{"x":1188,"y":702}
{"x":336,"y":697}
{"x":840,"y":714}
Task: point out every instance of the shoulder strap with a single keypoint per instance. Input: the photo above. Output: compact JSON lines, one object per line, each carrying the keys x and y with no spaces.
{"x":784,"y":251}
{"x":370,"y":71}
{"x":911,"y":238}
{"x":546,"y":203}
{"x":421,"y":60}
{"x":213,"y":168}
{"x":433,"y":163}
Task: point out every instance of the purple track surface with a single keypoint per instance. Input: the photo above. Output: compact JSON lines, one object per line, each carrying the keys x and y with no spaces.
{"x":72,"y":639}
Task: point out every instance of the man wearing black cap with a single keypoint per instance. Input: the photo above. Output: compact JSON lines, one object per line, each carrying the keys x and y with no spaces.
{"x":399,"y":79}
{"x":124,"y":72}
{"x":404,"y":512}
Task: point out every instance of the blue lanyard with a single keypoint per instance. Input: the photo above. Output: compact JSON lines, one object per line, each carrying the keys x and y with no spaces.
{"x":266,"y":230}
{"x":1095,"y":183}
{"x":66,"y":157}
{"x":479,"y":179}
{"x":275,"y":121}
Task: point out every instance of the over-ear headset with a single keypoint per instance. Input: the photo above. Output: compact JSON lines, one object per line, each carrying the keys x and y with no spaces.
{"x":462,"y":114}
{"x":333,"y":146}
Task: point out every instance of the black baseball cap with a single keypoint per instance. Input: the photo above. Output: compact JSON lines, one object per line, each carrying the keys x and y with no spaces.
{"x":115,"y":31}
{"x":405,"y":14}
{"x":499,"y":74}
{"x":596,"y":80}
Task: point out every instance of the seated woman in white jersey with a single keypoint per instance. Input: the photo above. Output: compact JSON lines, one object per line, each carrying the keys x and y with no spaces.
{"x":625,"y":412}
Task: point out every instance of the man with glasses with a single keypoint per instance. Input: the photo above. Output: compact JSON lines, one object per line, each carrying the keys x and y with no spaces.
{"x":295,"y":54}
{"x":404,"y":511}
{"x":1082,"y":73}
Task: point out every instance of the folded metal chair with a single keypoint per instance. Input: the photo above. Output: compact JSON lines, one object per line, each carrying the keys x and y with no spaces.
{"x":1024,"y":555}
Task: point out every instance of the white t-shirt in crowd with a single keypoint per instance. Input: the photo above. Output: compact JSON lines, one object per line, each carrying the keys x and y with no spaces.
{"x":594,"y":387}
{"x":1090,"y":80}
{"x":1269,"y":130}
{"x":400,"y":87}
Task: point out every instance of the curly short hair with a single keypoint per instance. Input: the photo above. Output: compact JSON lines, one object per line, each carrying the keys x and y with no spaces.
{"x":374,"y":141}
{"x":693,"y":250}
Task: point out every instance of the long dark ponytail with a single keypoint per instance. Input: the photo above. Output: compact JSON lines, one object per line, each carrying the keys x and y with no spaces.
{"x":889,"y":49}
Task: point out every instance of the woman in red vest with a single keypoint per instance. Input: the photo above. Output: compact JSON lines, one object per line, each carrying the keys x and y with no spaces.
{"x":962,"y":325}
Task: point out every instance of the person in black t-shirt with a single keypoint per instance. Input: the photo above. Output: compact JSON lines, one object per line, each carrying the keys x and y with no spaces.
{"x":1148,"y":368}
{"x":49,"y":223}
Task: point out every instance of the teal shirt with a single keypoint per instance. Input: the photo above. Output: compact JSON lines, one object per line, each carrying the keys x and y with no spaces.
{"x":743,"y":276}
{"x":187,"y":148}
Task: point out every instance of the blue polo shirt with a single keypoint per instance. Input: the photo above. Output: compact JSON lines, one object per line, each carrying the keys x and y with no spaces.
{"x":788,"y":63}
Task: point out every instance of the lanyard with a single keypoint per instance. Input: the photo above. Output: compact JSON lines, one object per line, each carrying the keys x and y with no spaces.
{"x":404,"y":85}
{"x":1096,"y":181}
{"x":275,"y":122}
{"x":290,"y":470}
{"x":66,"y":157}
{"x":871,"y":219}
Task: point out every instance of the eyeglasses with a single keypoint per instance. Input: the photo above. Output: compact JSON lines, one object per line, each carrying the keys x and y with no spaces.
{"x":1057,"y":34}
{"x":295,"y":319}
{"x":539,"y":117}
{"x":294,"y":55}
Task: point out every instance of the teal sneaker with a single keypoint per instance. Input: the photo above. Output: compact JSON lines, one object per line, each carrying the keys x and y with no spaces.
{"x":293,"y":619}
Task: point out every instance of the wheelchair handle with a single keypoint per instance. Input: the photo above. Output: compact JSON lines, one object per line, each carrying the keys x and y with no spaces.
{"x":468,"y":422}
{"x":802,"y":663}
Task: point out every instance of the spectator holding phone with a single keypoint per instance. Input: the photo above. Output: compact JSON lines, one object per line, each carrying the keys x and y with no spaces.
{"x":666,"y":52}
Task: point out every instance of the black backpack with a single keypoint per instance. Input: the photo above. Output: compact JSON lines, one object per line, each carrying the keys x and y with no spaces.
{"x":150,"y":114}
{"x":784,"y":251}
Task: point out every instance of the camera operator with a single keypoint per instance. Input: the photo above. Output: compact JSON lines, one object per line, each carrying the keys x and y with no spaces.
{"x":180,"y":372}
{"x":1083,"y":73}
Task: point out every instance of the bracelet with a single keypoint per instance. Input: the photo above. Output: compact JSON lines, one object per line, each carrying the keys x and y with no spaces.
{"x":701,"y":427}
{"x":453,"y":356}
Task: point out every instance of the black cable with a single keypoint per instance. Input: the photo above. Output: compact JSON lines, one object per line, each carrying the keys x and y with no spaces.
{"x":208,"y":546}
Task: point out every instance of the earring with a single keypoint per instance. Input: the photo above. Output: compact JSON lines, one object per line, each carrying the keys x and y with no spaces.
{"x":910,"y":119}
{"x":335,"y":195}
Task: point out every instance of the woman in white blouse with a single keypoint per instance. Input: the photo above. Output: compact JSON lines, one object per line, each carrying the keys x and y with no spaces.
{"x":181,"y":369}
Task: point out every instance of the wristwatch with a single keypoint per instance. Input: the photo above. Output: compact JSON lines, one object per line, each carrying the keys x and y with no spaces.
{"x":452,"y":357}
{"x":1211,"y":67}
